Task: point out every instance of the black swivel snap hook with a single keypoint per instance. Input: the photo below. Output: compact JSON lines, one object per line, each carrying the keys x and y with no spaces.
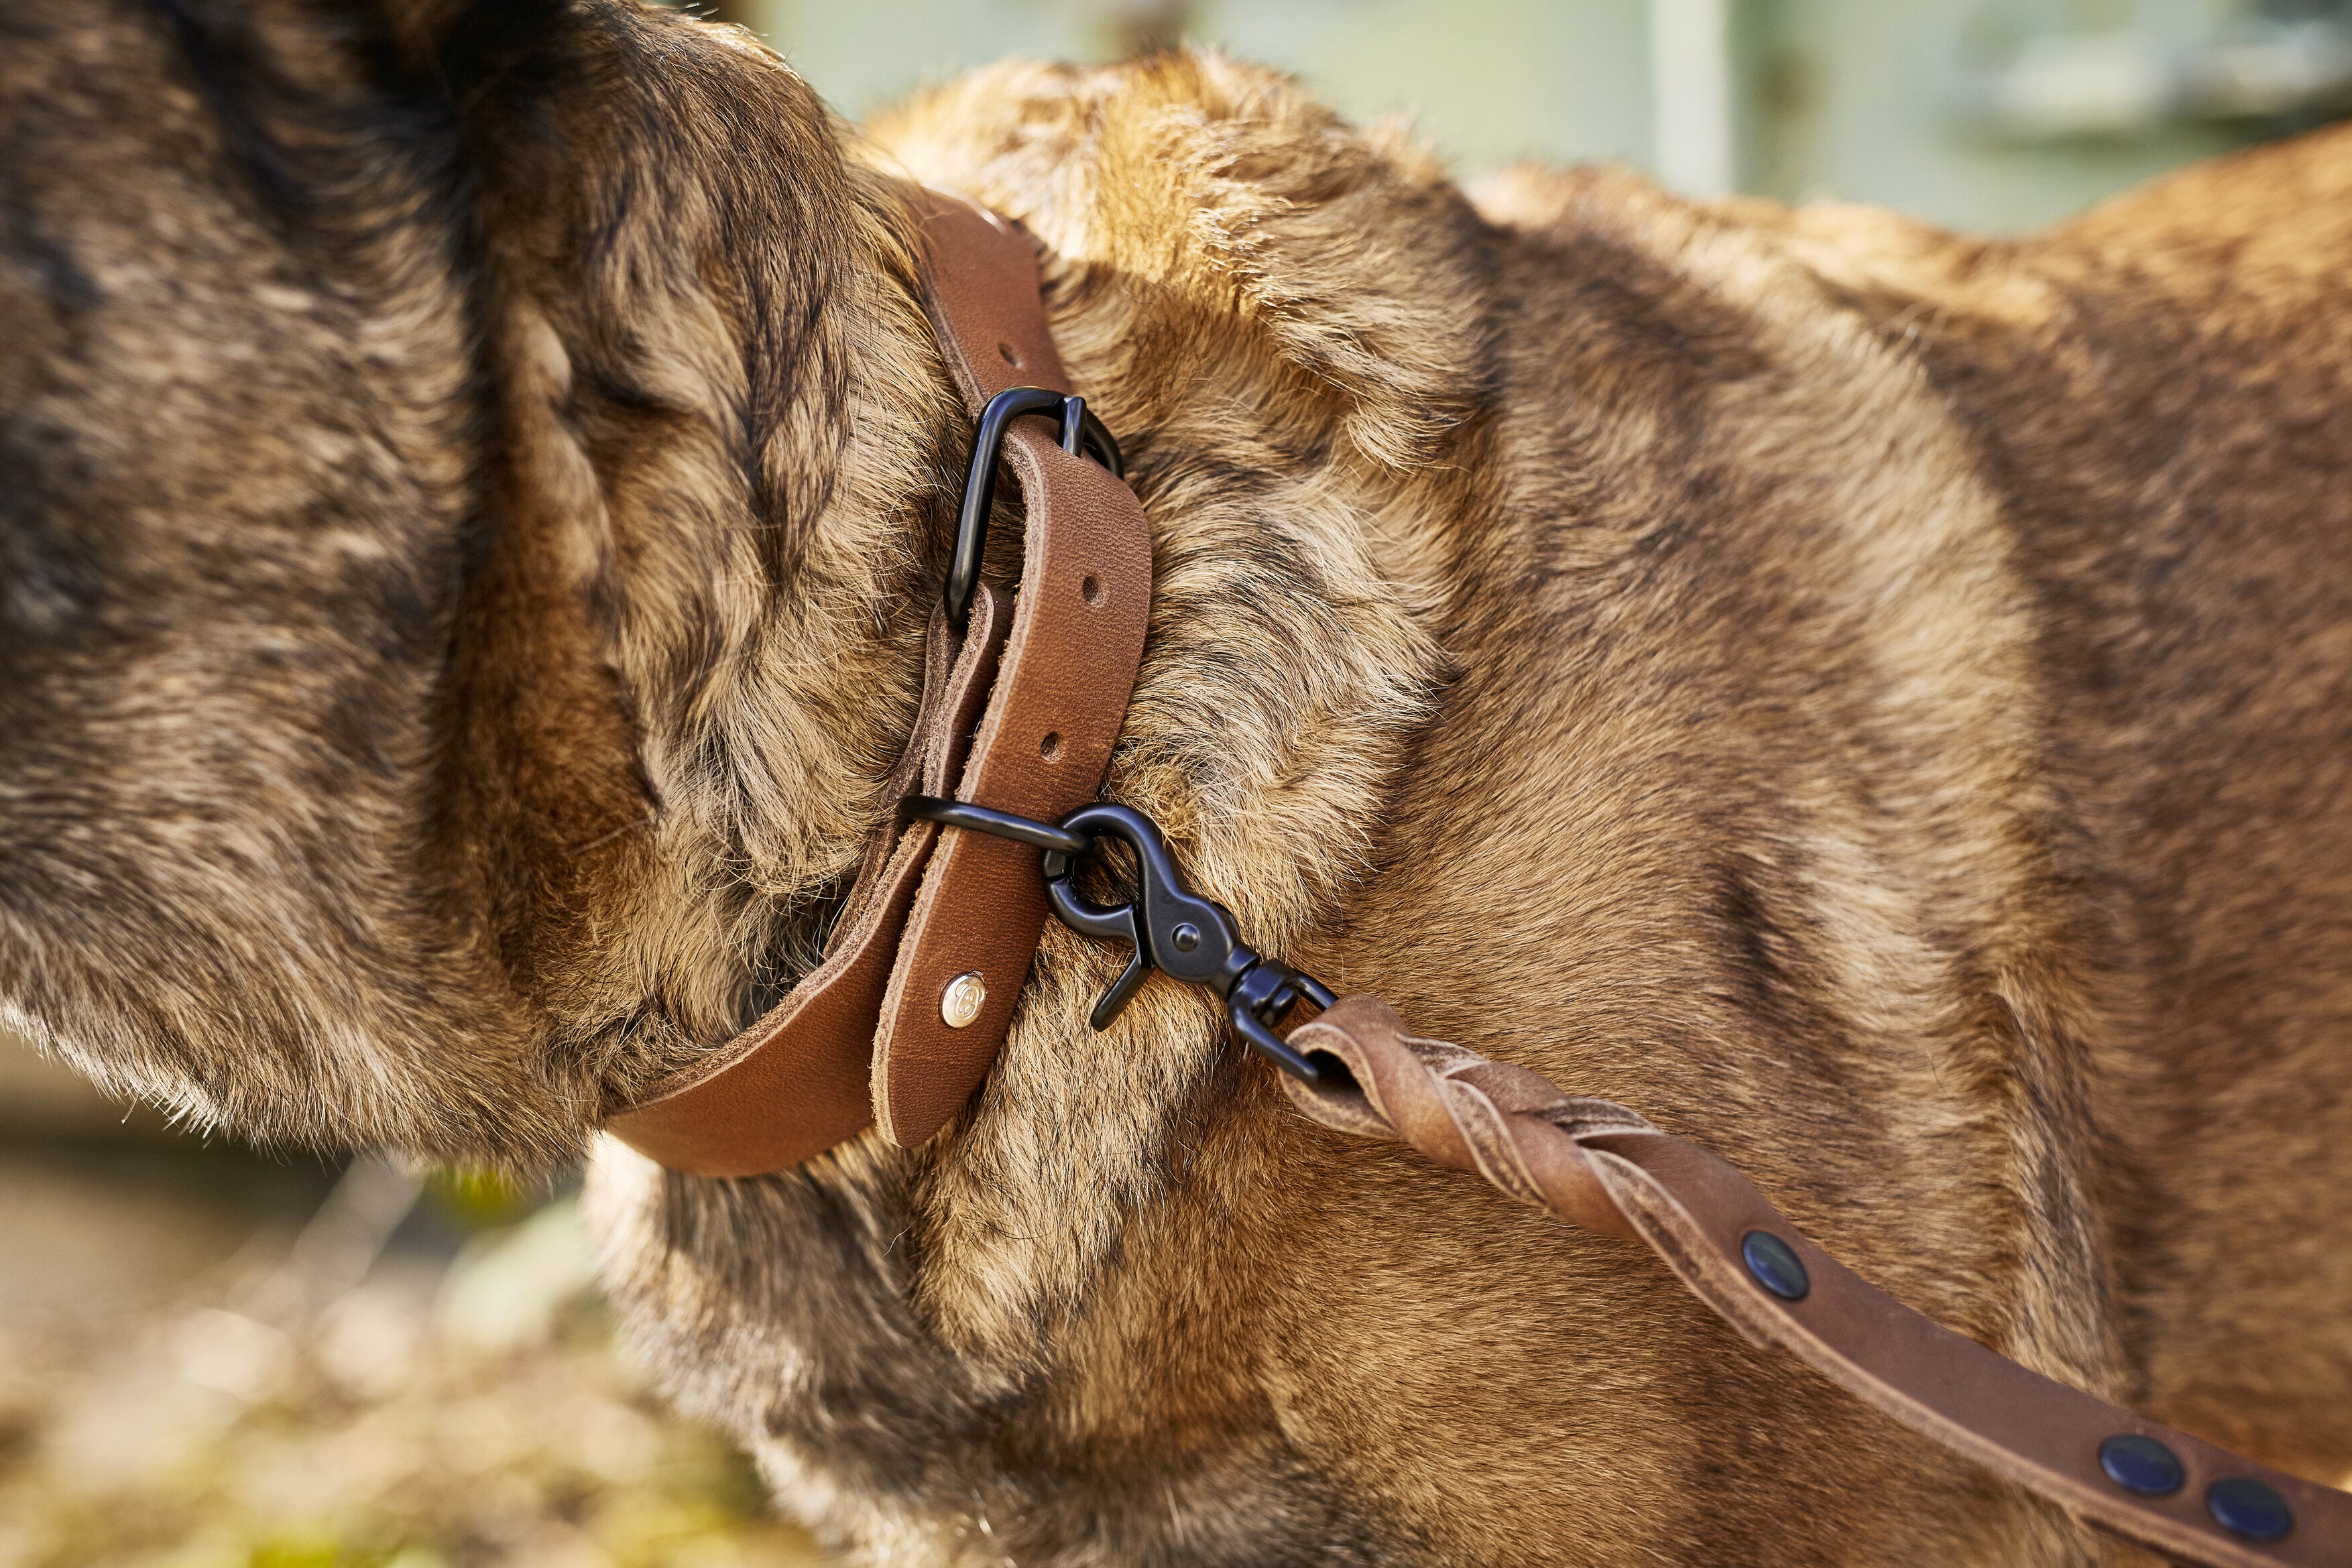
{"x":1182,"y":934}
{"x":1172,"y":928}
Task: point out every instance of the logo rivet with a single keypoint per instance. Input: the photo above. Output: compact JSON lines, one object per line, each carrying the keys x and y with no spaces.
{"x":1776,"y":1265}
{"x":2141,"y":1464}
{"x":2243,"y":1506}
{"x":959,"y":1003}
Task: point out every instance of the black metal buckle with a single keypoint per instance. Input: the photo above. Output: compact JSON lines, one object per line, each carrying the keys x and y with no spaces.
{"x":1174,"y":930}
{"x":1080,"y":430}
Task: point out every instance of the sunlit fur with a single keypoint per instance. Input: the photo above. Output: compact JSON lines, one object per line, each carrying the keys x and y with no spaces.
{"x":1874,"y":701}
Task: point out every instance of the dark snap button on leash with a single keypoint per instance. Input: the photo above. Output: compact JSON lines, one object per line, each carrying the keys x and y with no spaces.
{"x":2243,"y":1506}
{"x":1776,"y":1265}
{"x":2141,"y":1464}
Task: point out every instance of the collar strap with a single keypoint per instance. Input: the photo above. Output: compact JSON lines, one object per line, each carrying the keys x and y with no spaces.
{"x":905,"y":1015}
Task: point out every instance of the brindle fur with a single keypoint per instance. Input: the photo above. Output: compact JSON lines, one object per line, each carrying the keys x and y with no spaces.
{"x":1876,"y":702}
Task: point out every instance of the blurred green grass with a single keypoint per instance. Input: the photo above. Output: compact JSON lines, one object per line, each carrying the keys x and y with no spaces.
{"x":482,"y":1419}
{"x":212,"y":1360}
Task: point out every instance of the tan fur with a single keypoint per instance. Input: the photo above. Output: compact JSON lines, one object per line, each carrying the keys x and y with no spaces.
{"x":1870,"y":700}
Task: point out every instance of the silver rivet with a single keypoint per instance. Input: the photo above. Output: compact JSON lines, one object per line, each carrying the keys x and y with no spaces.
{"x":1186,"y":936}
{"x":959,"y":1003}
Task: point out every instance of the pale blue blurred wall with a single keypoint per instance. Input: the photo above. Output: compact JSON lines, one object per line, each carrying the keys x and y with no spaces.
{"x":1865,"y":101}
{"x":1490,"y":79}
{"x":1871,"y":100}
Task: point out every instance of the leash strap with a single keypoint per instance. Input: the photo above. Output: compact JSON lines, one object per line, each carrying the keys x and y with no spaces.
{"x":1598,"y":1164}
{"x":902,"y":1019}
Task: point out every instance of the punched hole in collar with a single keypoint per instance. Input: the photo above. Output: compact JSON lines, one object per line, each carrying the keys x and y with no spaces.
{"x":1050,"y":747}
{"x":1009,"y":356}
{"x":1091,"y":590}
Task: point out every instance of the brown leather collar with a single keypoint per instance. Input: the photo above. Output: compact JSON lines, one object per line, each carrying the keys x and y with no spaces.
{"x":873,"y":1034}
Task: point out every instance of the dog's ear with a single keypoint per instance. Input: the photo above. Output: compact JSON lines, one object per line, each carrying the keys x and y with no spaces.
{"x":410,"y":415}
{"x":243,"y":418}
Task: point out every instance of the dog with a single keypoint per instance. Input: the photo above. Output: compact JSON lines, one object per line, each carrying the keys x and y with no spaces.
{"x":1874,"y":701}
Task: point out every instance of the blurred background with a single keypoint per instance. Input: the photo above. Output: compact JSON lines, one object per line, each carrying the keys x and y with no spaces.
{"x":1985,"y":114}
{"x":211,"y":1359}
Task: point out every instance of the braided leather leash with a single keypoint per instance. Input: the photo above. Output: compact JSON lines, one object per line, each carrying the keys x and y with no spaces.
{"x":1600,"y":1166}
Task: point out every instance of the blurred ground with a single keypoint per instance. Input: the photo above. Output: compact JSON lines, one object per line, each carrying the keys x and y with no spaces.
{"x":212,"y":1360}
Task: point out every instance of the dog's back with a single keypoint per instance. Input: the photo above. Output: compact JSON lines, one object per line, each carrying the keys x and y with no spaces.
{"x":2171,"y":437}
{"x":2154,"y":396}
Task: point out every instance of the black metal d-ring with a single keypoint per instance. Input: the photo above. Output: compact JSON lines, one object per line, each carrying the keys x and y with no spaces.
{"x":1003,"y":824}
{"x":1080,"y":430}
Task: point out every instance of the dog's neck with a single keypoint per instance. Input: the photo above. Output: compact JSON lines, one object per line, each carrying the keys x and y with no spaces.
{"x":768,"y":482}
{"x":728,"y":435}
{"x":1292,"y":328}
{"x":721,"y":365}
